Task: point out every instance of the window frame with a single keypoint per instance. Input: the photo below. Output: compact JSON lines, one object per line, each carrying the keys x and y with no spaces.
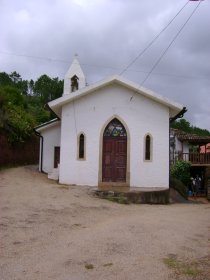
{"x":150,"y":147}
{"x":79,"y":146}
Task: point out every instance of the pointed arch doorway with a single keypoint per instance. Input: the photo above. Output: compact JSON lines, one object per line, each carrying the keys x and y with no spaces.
{"x":114,"y":156}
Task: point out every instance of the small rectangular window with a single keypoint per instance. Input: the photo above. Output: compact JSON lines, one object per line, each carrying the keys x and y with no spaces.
{"x":81,"y":146}
{"x":147,"y":148}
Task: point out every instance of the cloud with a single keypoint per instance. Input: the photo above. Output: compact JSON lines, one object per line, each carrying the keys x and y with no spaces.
{"x":108,"y":35}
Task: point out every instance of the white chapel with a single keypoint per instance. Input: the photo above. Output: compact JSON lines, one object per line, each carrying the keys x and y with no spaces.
{"x":108,"y":134}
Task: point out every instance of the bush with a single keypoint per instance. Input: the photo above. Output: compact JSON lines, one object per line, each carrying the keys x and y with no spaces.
{"x":181,"y":171}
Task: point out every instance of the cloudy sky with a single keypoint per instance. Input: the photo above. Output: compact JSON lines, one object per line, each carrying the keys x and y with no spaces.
{"x":41,"y":37}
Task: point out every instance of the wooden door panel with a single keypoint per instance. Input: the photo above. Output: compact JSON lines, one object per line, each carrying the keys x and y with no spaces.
{"x":120,"y":160}
{"x":107,"y":159}
{"x":114,"y":159}
{"x":107,"y":174}
{"x":108,"y":146}
{"x":121,"y":146}
{"x":120,"y":174}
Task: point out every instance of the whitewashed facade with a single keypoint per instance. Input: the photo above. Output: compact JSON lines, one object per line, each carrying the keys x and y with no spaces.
{"x":51,"y":138}
{"x":142,"y":153}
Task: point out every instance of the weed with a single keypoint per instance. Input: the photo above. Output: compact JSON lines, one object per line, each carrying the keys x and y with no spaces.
{"x":181,"y":266}
{"x":119,"y":198}
{"x":65,"y":187}
{"x":89,"y":266}
{"x":108,"y":264}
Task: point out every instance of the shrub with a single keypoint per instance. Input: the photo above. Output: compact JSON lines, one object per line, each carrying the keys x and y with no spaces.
{"x":181,"y":171}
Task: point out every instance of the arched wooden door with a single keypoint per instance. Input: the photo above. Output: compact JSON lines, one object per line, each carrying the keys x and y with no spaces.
{"x":114,"y":158}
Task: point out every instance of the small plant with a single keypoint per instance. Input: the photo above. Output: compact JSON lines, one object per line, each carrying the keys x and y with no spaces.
{"x":181,"y":171}
{"x":108,"y":264}
{"x":119,"y":198}
{"x":89,"y":266}
{"x":122,"y":199}
{"x":181,"y":266}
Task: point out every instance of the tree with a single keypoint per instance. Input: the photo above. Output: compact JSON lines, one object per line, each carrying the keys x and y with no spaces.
{"x":31,"y":87}
{"x":15,"y":120}
{"x":5,"y":79}
{"x":15,"y":77}
{"x":48,"y":89}
{"x":14,"y":80}
{"x":22,"y":103}
{"x":185,"y":126}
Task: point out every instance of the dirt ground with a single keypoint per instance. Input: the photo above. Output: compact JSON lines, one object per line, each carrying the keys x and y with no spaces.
{"x":51,"y":231}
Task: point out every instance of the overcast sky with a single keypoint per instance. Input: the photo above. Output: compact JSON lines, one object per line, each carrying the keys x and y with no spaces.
{"x":41,"y":37}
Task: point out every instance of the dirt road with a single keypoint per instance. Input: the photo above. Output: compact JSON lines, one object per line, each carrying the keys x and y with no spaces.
{"x":50,"y":231}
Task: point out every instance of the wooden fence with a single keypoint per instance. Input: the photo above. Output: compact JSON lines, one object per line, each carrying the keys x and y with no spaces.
{"x":194,"y":158}
{"x":18,"y":153}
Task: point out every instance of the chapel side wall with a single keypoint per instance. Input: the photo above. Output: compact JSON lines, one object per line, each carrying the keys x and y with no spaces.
{"x":51,"y":138}
{"x":141,"y":115}
{"x":154,"y":121}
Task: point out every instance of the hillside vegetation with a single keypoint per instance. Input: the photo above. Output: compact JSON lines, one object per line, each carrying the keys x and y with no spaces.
{"x":22,"y":104}
{"x":185,"y":126}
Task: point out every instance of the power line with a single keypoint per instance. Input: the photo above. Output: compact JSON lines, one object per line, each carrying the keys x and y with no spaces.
{"x":151,"y":43}
{"x":172,"y":41}
{"x":108,"y":67}
{"x":35,"y":57}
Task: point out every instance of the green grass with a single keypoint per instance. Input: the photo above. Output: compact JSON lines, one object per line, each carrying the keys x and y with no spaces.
{"x":89,"y":266}
{"x":108,"y":264}
{"x":182,"y":267}
{"x":119,"y":198}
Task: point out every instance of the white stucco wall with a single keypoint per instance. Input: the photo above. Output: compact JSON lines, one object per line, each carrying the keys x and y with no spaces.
{"x":182,"y":147}
{"x":51,"y":138}
{"x":141,"y":115}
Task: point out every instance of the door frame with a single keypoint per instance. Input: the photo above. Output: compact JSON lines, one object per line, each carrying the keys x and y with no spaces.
{"x":109,"y":185}
{"x":57,"y":152}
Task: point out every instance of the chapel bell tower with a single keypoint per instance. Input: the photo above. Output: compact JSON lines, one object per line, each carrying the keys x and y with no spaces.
{"x":74,"y":78}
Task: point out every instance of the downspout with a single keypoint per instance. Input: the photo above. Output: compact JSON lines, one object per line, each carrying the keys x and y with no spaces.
{"x":41,"y":151}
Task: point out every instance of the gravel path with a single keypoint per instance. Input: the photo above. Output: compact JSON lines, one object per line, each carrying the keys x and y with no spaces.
{"x":51,"y":231}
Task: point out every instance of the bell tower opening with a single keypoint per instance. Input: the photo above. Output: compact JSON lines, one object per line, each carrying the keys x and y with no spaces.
{"x":74,"y":79}
{"x":74,"y":83}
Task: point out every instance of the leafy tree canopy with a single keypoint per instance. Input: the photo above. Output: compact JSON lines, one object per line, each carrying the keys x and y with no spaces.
{"x":48,"y":89}
{"x":22,"y":103}
{"x":185,"y":126}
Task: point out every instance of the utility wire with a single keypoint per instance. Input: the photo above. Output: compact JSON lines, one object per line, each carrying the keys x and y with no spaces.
{"x":153,"y":40}
{"x":173,"y":40}
{"x":35,"y":57}
{"x":104,"y":66}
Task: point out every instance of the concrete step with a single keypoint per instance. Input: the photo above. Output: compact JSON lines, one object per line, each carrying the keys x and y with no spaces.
{"x":54,"y":175}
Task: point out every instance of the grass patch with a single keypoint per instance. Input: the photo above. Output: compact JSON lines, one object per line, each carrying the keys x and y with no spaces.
{"x":122,"y":199}
{"x":182,"y":267}
{"x":89,"y":266}
{"x":108,"y":264}
{"x":65,"y":187}
{"x":119,"y":198}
